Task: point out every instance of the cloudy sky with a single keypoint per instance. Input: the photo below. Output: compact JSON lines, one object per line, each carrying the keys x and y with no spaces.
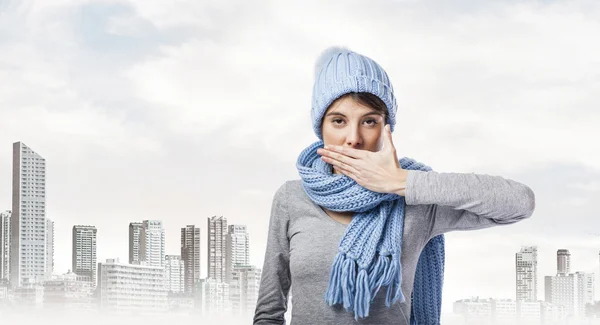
{"x":181,"y":110}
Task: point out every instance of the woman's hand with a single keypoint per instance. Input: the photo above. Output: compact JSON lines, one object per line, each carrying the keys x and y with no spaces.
{"x":377,"y":171}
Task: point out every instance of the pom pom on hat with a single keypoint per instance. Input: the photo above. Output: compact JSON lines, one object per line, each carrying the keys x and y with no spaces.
{"x":326,"y":56}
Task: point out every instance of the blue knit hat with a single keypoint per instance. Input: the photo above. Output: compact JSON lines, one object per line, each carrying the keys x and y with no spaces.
{"x":339,"y":71}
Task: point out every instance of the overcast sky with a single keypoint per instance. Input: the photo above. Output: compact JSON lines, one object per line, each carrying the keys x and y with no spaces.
{"x":181,"y":110}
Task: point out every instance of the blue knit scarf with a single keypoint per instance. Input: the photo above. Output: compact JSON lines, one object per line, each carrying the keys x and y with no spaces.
{"x":369,"y":252}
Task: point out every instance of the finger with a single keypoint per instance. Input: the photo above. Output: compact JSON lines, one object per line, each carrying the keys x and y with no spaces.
{"x":347,"y":173}
{"x":341,"y":165}
{"x":341,"y":157}
{"x":350,"y":152}
{"x":389,"y":142}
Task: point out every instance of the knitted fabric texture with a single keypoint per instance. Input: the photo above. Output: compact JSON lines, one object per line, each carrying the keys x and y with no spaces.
{"x":369,"y":253}
{"x":339,"y":71}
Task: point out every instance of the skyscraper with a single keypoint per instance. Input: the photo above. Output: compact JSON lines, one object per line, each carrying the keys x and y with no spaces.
{"x":152,"y":243}
{"x":243,"y":288}
{"x":190,"y":254}
{"x":217,"y":242}
{"x":84,"y":252}
{"x":174,"y":273}
{"x":526,"y":273}
{"x":573,"y":291}
{"x":563,"y":261}
{"x":237,"y":249}
{"x":5,"y":245}
{"x":28,"y":253}
{"x":49,"y":248}
{"x":134,"y":242}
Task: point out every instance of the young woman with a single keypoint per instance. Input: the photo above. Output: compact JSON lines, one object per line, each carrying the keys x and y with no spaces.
{"x":359,"y":237}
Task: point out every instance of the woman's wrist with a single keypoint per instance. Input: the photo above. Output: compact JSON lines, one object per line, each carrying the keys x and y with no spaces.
{"x":400,"y":182}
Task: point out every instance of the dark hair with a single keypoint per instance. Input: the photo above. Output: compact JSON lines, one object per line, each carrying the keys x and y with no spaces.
{"x":368,"y":100}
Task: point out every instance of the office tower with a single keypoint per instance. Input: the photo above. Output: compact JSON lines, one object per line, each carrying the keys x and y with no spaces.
{"x":190,"y":254}
{"x":217,"y":242}
{"x":563,"y":261}
{"x":586,"y":287}
{"x":5,"y":246}
{"x":28,"y":253}
{"x":134,"y":242}
{"x":174,"y":271}
{"x":212,"y":297}
{"x":526,"y":273}
{"x":573,"y":290}
{"x":243,"y":288}
{"x":49,"y":248}
{"x":152,"y":243}
{"x":128,"y":288}
{"x":237,"y":249}
{"x":84,"y":252}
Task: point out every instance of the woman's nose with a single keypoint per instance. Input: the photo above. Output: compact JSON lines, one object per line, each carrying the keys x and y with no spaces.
{"x":353,"y":138}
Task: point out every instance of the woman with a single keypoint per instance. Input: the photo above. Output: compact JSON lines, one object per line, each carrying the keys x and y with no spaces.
{"x":359,"y":236}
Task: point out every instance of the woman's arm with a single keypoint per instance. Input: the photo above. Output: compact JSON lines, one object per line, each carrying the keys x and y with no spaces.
{"x":275,"y":278}
{"x":468,"y":201}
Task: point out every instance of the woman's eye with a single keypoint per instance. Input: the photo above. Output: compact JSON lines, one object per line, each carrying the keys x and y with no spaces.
{"x":370,"y":122}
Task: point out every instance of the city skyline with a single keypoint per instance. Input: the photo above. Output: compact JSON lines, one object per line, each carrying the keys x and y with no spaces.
{"x":142,"y":284}
{"x":228,"y":246}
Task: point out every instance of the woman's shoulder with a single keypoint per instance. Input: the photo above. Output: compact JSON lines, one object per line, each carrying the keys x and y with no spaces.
{"x":289,"y":187}
{"x":291,"y":191}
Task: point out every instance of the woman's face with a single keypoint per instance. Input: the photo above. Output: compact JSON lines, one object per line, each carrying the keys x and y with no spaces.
{"x":350,"y":124}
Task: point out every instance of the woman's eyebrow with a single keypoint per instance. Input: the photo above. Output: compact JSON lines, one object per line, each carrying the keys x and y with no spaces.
{"x":341,"y":114}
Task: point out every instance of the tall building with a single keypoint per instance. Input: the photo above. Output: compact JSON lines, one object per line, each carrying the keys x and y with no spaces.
{"x":563,"y":261}
{"x":243,"y":288}
{"x":217,"y":242}
{"x":586,"y":287}
{"x":152,"y":243}
{"x":190,"y":254}
{"x":135,"y":228}
{"x":5,"y":246}
{"x":49,"y":248}
{"x":237,"y":249}
{"x":128,"y":288}
{"x":28,"y":253}
{"x":174,"y":272}
{"x":83,"y":259}
{"x":573,"y":291}
{"x":212,"y":297}
{"x":526,"y":273}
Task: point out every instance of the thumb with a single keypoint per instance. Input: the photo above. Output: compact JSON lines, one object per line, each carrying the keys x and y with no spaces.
{"x":389,"y":144}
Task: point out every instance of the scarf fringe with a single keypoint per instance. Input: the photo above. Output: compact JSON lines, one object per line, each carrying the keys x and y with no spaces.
{"x":348,"y":283}
{"x":334,"y":290}
{"x":355,"y":291}
{"x":378,"y":274}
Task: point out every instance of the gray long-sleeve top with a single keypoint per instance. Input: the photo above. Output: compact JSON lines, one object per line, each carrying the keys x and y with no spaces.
{"x":303,"y":241}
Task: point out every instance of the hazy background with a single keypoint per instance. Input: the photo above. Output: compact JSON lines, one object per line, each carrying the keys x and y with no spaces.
{"x":181,"y":110}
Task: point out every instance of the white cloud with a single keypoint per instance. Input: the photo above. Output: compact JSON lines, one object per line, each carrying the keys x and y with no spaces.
{"x":592,"y":186}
